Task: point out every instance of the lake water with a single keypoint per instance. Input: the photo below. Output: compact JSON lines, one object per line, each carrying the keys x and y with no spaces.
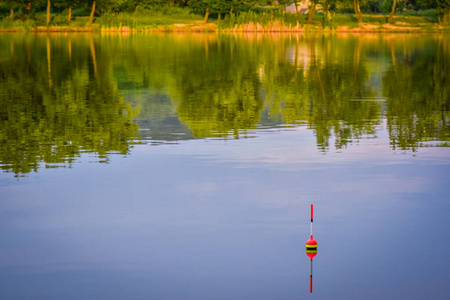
{"x":183,"y":166}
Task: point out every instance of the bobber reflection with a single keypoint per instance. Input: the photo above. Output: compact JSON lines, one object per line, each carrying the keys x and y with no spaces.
{"x":311,"y":254}
{"x":311,"y":251}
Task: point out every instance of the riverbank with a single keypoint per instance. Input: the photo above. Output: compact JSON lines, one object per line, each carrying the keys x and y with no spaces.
{"x":245,"y":28}
{"x":132,"y":23}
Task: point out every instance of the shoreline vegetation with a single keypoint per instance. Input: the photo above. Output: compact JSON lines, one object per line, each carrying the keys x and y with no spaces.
{"x":202,"y":16}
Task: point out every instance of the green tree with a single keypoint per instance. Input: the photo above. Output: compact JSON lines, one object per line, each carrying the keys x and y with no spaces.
{"x":283,"y":4}
{"x":91,"y":16}
{"x":236,"y":5}
{"x":103,"y":6}
{"x":329,"y":9}
{"x":444,"y":11}
{"x":69,"y":5}
{"x":200,"y":6}
{"x":221,"y":6}
{"x":442,"y":7}
{"x":357,"y":9}
{"x":296,"y":2}
{"x":312,"y":10}
{"x":13,"y":4}
{"x":391,"y":15}
{"x":49,"y":6}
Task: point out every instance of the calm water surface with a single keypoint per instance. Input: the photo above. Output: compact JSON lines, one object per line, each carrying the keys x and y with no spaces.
{"x":182,"y":166}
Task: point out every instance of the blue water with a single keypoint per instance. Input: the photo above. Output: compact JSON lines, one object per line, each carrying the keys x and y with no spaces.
{"x":208,"y":219}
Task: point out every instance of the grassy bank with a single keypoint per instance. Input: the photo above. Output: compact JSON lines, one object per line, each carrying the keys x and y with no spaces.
{"x":143,"y":21}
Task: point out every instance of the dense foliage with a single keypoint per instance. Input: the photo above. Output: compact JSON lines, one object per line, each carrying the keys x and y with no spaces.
{"x":25,"y":9}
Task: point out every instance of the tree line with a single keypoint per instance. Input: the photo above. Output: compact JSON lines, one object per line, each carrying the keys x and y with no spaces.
{"x":228,"y":7}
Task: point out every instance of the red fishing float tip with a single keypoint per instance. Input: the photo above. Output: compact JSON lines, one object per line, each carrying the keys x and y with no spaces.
{"x":311,"y":243}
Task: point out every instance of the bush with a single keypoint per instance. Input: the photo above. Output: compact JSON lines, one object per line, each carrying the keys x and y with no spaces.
{"x":6,"y":23}
{"x":4,"y":12}
{"x":346,"y":7}
{"x":428,"y":13}
{"x":372,"y":6}
{"x":399,"y":7}
{"x":117,"y":20}
{"x":170,"y":10}
{"x":80,"y":12}
{"x":422,"y":13}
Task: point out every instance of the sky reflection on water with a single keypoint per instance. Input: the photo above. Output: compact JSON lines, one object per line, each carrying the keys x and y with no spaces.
{"x":200,"y":220}
{"x":206,"y":215}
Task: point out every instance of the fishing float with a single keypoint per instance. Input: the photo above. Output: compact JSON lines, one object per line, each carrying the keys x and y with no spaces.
{"x":311,"y":251}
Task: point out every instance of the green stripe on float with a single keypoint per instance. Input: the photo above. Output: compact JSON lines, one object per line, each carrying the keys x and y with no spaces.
{"x":311,"y":250}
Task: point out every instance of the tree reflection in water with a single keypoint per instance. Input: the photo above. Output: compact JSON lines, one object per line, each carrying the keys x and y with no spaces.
{"x":62,"y":95}
{"x":56,"y":104}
